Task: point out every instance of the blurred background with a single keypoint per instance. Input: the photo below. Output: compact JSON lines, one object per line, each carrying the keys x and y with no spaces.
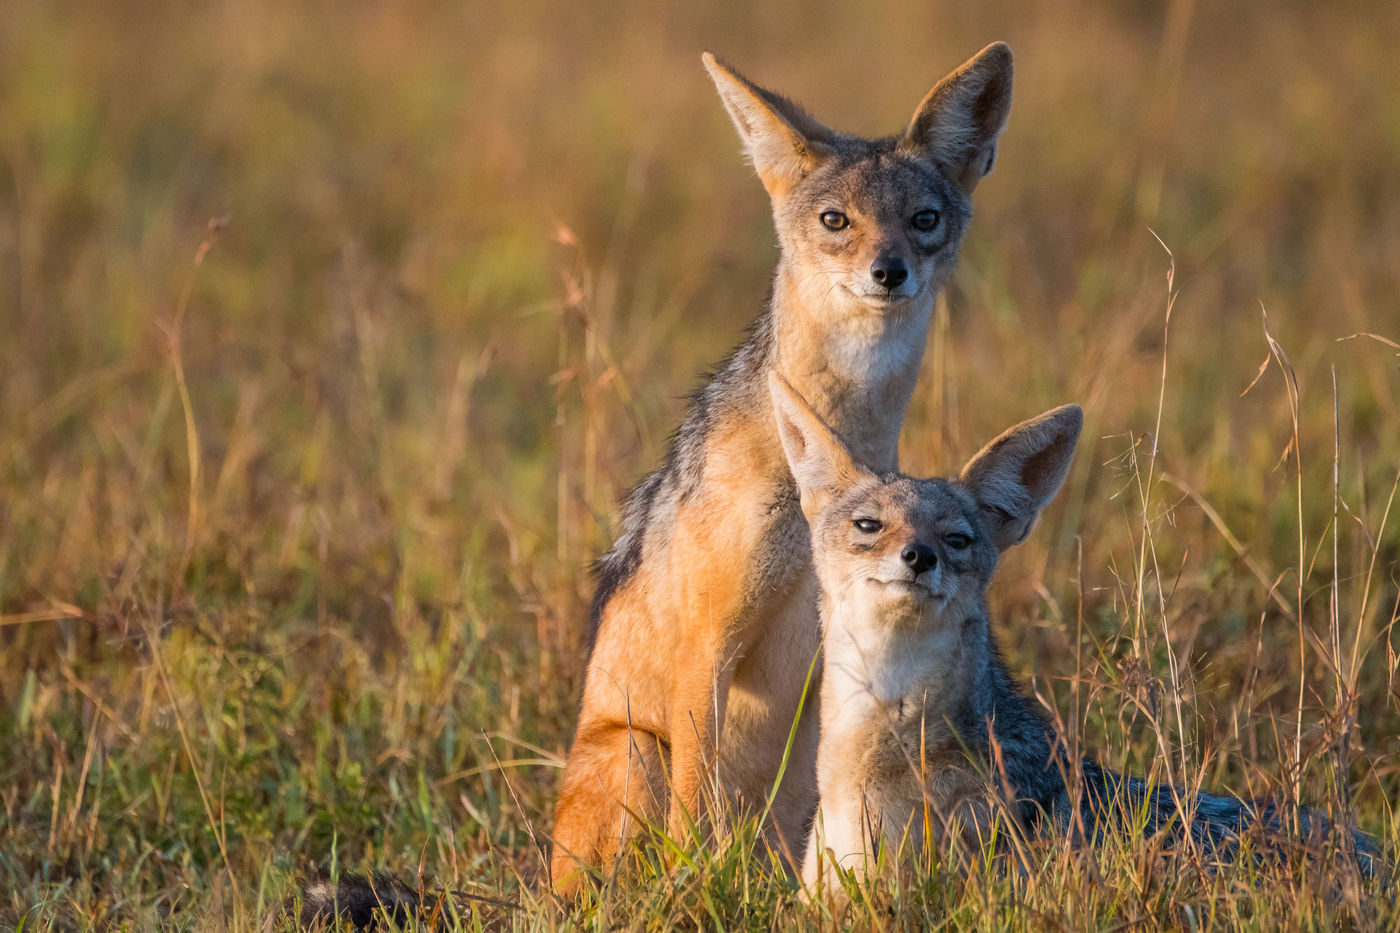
{"x":330,"y":334}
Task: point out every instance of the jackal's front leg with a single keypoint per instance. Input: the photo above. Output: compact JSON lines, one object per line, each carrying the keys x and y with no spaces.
{"x":840,"y":839}
{"x":703,"y":678}
{"x":710,"y":559}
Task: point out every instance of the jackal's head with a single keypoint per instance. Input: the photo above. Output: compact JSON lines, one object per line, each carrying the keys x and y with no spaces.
{"x":874,"y":224}
{"x":889,"y":543}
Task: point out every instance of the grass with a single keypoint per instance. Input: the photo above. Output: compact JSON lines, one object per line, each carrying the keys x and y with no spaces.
{"x":295,"y":514}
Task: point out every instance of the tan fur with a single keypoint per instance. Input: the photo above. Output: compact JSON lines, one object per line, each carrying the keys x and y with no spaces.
{"x":707,"y":619}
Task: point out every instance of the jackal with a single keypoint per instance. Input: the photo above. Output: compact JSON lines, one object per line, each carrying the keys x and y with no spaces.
{"x":925,"y":735}
{"x":705,"y":614}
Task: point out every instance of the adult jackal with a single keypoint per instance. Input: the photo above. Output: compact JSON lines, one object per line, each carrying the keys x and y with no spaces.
{"x":706,"y":607}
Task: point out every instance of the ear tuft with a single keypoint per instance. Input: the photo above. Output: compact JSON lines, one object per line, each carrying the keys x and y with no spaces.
{"x":820,"y":463}
{"x":782,"y":140}
{"x":1017,"y":475}
{"x":957,"y":124}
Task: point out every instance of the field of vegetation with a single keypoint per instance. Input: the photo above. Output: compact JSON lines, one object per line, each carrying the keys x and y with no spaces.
{"x":330,"y":334}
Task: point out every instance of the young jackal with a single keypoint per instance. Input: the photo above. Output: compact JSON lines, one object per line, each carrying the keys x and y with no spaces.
{"x":925,"y":736}
{"x":706,"y":607}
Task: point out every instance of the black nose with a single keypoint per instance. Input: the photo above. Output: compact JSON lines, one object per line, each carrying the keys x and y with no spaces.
{"x":889,"y":271}
{"x":919,"y":557}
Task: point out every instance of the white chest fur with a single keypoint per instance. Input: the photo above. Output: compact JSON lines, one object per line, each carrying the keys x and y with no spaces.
{"x":870,"y":664}
{"x":873,"y":349}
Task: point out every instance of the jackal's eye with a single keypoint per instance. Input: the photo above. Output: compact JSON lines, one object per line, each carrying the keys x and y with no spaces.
{"x":868,"y":525}
{"x":958,"y":541}
{"x":925,"y":220}
{"x":835,"y":220}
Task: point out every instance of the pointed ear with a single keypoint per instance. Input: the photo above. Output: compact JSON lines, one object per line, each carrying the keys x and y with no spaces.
{"x":781,"y":140}
{"x":1016,"y":475}
{"x":957,"y":124}
{"x":820,"y":463}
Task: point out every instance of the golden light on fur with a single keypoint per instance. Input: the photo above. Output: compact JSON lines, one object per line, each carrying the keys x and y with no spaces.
{"x":706,"y":610}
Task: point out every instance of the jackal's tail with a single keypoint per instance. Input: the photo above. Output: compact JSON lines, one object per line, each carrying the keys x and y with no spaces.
{"x":366,"y":900}
{"x":361,"y":899}
{"x":1217,"y":824}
